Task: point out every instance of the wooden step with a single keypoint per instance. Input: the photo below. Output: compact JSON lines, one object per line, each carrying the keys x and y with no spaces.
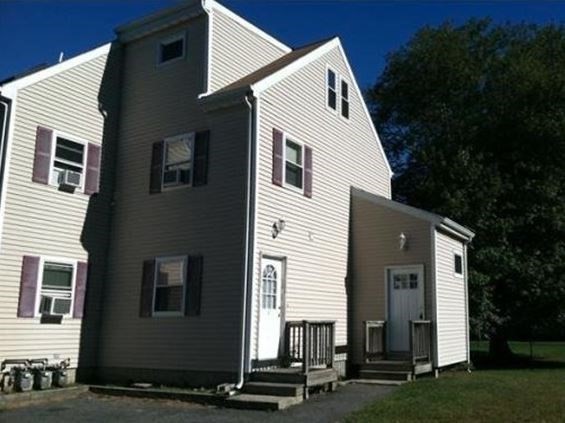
{"x":262,"y":402}
{"x":385,"y":375}
{"x":274,"y":389}
{"x":278,"y":376}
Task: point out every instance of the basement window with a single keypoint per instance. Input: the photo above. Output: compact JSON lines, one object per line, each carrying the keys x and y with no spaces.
{"x":171,"y":49}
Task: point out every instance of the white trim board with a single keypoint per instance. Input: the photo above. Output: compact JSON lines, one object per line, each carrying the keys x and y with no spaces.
{"x":9,"y":89}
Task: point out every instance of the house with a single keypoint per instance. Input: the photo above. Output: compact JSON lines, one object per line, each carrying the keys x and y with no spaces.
{"x":218,"y":204}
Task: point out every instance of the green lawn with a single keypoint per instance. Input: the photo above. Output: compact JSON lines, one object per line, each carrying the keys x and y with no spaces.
{"x":523,"y":391}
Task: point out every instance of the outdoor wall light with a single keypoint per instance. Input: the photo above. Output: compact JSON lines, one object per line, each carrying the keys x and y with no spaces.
{"x":278,"y":227}
{"x":403,"y":241}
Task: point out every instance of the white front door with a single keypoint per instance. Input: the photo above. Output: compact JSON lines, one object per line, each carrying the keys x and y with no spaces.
{"x":270,"y":309}
{"x":405,"y":303}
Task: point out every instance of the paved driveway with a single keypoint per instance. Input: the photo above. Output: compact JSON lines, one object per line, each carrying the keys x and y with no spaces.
{"x":331,"y":407}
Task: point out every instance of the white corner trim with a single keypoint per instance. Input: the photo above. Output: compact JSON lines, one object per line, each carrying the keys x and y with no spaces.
{"x":10,"y":88}
{"x":434,"y":273}
{"x":210,"y":5}
{"x":365,"y":109}
{"x":8,"y":141}
{"x":294,"y":66}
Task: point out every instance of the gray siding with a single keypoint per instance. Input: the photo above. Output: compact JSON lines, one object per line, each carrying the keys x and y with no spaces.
{"x":451,"y":303}
{"x":374,"y":237}
{"x":236,"y":51}
{"x":315,"y":240}
{"x":40,"y":220}
{"x":158,"y":102}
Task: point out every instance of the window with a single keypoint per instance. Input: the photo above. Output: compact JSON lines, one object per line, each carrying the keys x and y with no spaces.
{"x":269,"y":294}
{"x":293,"y":164}
{"x":344,"y":99}
{"x":170,"y":279}
{"x":171,"y":49}
{"x":331,"y":83}
{"x":178,"y":157}
{"x":458,"y":264}
{"x":56,"y":288}
{"x":69,"y":156}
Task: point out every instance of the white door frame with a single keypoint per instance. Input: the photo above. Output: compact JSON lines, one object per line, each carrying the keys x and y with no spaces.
{"x":417,"y":267}
{"x":282,"y":288}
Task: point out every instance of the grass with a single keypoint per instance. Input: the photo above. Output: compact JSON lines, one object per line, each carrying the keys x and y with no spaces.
{"x":517,"y":391}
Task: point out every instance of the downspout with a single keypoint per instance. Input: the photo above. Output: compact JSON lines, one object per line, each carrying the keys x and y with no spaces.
{"x":466,"y":281}
{"x":249,"y":237}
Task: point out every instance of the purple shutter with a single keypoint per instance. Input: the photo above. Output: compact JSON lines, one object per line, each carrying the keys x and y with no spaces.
{"x":80,"y":289}
{"x":277,"y":157}
{"x":42,"y":160}
{"x":28,"y":286}
{"x":147,"y":281}
{"x":92,"y":169}
{"x":201,"y":141}
{"x":308,"y":172}
{"x":155,"y":181}
{"x":193,"y":294}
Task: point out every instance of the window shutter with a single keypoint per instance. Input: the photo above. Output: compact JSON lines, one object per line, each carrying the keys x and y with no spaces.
{"x":42,"y":160}
{"x":278,"y":157}
{"x":201,"y":148}
{"x":80,"y":289}
{"x":92,"y":169}
{"x":147,"y":282}
{"x":155,"y":181}
{"x":308,"y":173}
{"x":194,"y":286}
{"x":28,"y":286}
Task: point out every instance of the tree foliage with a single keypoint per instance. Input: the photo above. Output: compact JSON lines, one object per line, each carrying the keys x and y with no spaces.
{"x":473,"y":121}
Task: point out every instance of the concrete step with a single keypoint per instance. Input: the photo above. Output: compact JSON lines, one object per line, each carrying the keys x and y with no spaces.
{"x":275,"y":389}
{"x":385,"y":375}
{"x":262,"y":402}
{"x":388,"y":365}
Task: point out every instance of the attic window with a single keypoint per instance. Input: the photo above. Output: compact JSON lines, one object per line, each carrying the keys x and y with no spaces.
{"x":331,"y":88}
{"x":171,"y":49}
{"x":458,"y":264}
{"x":344,"y":99}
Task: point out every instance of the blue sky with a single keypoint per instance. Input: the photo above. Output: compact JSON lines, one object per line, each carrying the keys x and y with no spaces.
{"x":35,"y":31}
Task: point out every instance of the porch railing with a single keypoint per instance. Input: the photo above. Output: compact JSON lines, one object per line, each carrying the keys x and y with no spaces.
{"x":375,"y":339}
{"x":420,"y":340}
{"x":311,"y":343}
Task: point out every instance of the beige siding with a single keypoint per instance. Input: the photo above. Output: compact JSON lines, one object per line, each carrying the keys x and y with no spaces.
{"x":237,"y":51}
{"x":40,"y":220}
{"x":375,"y":245}
{"x":451,"y":303}
{"x":158,"y":102}
{"x":315,"y":240}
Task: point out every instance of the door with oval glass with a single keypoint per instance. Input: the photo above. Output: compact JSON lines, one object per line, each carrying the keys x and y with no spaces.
{"x":405,"y":303}
{"x":270,"y":308}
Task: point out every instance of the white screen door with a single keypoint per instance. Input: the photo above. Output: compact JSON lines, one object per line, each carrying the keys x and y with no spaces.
{"x":270,"y":309}
{"x":406,"y":302}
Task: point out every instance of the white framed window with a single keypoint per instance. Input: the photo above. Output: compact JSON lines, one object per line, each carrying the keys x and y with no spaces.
{"x":269,"y":288}
{"x":293,"y":163}
{"x":331,"y":89}
{"x":170,"y":286}
{"x":68,"y":155}
{"x":178,"y":157}
{"x":56,"y":288}
{"x":344,"y":93}
{"x":171,"y":49}
{"x":458,"y":264}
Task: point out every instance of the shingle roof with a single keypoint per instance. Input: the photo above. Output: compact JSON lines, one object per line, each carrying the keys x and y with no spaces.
{"x":272,"y":67}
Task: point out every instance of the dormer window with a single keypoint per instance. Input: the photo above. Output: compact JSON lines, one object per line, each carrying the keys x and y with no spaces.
{"x":171,"y":49}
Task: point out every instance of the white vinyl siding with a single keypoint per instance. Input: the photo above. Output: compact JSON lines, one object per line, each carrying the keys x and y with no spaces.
{"x":237,"y":51}
{"x":39,"y":219}
{"x":451,"y":303}
{"x":345,"y":154}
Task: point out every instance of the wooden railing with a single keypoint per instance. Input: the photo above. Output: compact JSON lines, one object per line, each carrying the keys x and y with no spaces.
{"x":375,"y":339}
{"x":420,"y":340}
{"x":310,"y":343}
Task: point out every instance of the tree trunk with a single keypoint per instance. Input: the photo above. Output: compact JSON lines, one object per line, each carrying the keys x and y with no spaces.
{"x":498,"y":347}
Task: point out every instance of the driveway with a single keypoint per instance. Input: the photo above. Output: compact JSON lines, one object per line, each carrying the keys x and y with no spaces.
{"x":331,"y":407}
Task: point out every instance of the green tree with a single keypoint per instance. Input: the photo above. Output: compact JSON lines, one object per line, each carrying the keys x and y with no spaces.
{"x":472,"y":118}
